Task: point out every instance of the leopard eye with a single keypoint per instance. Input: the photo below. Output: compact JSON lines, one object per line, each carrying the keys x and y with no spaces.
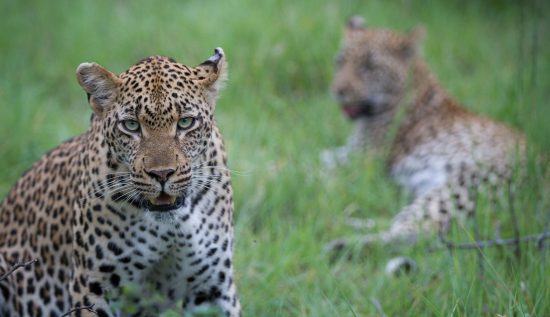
{"x":368,"y":66}
{"x":131,"y":125}
{"x":185,"y":123}
{"x":368,"y":63}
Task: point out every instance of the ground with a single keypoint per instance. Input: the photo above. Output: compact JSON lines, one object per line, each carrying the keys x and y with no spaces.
{"x":277,"y":115}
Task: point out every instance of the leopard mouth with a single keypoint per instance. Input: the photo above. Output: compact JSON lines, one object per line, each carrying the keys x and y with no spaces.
{"x":164,"y":202}
{"x":365,"y":108}
{"x":354,"y":111}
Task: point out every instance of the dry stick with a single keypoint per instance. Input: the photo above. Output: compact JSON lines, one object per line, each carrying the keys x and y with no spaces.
{"x":28,"y":263}
{"x":539,"y":238}
{"x":16,"y":267}
{"x":89,"y":308}
{"x":512,"y":209}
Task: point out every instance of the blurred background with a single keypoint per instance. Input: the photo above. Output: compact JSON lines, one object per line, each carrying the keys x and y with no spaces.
{"x":277,"y":114}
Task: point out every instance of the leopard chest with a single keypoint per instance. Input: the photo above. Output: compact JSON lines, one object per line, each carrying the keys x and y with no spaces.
{"x":133,"y":241}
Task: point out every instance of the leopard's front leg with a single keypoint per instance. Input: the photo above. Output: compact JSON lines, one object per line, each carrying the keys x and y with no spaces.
{"x":334,"y":157}
{"x":207,"y":273}
{"x":88,"y":296}
{"x":214,"y":287}
{"x":356,"y":142}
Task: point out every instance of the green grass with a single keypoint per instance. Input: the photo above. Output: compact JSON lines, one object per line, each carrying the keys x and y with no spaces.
{"x":277,"y":115}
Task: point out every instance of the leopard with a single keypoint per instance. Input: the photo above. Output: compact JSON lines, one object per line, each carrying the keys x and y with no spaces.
{"x":143,"y":197}
{"x":440,"y":152}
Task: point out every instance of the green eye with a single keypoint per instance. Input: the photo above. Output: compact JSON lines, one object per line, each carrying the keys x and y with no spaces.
{"x":131,"y":125}
{"x":185,"y":123}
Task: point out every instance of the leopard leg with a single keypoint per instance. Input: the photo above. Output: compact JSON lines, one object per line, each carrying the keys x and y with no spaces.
{"x":356,"y":142}
{"x":85,"y":293}
{"x":427,"y":214}
{"x":333,"y":157}
{"x":212,"y":282}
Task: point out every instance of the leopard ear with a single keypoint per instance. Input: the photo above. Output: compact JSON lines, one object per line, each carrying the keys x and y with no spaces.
{"x":410,"y":46}
{"x":356,"y":22}
{"x":212,"y":74}
{"x":100,"y":84}
{"x":354,"y":28}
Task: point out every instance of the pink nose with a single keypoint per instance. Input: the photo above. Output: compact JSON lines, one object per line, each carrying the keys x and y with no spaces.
{"x":161,"y":175}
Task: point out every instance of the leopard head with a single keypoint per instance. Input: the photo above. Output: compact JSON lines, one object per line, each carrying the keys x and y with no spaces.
{"x":156,"y":120}
{"x":372,"y":68}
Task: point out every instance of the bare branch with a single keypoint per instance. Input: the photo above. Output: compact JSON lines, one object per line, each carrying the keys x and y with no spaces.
{"x":19,"y":265}
{"x":539,"y":238}
{"x":16,"y":267}
{"x":89,"y":308}
{"x":512,"y":210}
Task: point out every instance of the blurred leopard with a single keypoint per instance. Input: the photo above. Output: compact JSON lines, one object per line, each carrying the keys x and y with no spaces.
{"x":440,"y":150}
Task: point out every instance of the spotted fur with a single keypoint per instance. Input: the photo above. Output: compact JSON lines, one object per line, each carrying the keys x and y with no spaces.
{"x":113,"y":206}
{"x":441,"y":151}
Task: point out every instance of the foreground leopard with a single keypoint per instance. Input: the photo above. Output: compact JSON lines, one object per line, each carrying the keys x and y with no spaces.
{"x":142,"y":197}
{"x":440,"y":152}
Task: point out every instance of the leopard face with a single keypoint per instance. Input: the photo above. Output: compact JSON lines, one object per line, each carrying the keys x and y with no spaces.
{"x":156,"y":119}
{"x":371,"y":68}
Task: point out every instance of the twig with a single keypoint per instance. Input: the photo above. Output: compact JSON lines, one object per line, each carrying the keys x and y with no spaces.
{"x":31,"y":262}
{"x":16,"y":267}
{"x":89,"y":308}
{"x":539,"y":238}
{"x":512,"y":209}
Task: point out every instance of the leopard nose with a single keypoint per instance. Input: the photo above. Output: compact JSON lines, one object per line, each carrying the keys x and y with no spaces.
{"x":161,"y":175}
